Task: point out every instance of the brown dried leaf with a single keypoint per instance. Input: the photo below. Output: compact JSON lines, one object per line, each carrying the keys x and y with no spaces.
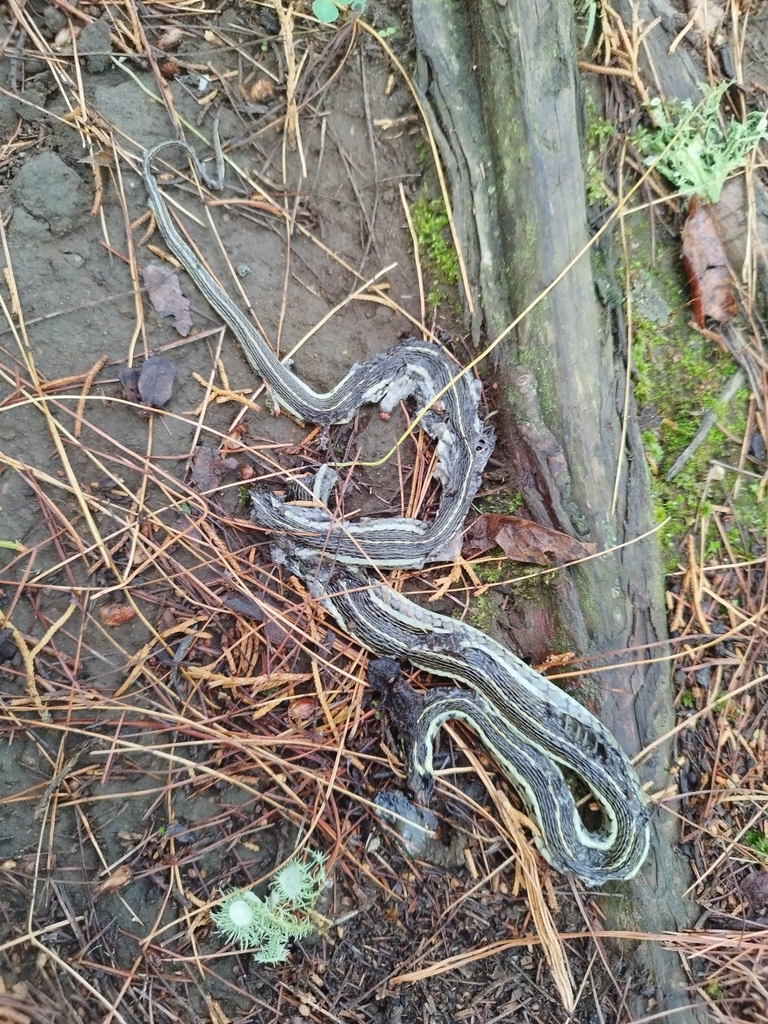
{"x":164,"y":290}
{"x":129,"y":379}
{"x":706,"y":266}
{"x":261,"y":89}
{"x":706,"y":15}
{"x":522,"y":540}
{"x":101,"y":159}
{"x":116,"y":880}
{"x":208,"y":468}
{"x":302,"y":710}
{"x":170,"y":39}
{"x":156,"y":381}
{"x":116,"y":614}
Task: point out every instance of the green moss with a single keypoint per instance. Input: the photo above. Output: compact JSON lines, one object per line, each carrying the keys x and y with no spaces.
{"x":679,"y":375}
{"x":438,"y":257}
{"x":502,"y":502}
{"x":483,"y":612}
{"x":495,"y":570}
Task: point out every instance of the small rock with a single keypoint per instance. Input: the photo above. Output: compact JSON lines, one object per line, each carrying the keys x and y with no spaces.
{"x":51,"y":191}
{"x":24,"y":224}
{"x":96,"y":46}
{"x":28,"y":102}
{"x":757,"y":445}
{"x":8,"y":648}
{"x":54,"y":21}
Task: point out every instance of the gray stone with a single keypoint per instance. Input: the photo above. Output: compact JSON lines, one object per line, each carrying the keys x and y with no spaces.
{"x":24,"y":224}
{"x":51,"y":191}
{"x":95,"y":45}
{"x":54,"y":21}
{"x":7,"y":114}
{"x":26,"y":104}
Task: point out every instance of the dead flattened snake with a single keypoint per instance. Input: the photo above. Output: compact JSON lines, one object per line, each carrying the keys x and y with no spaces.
{"x":536,"y":733}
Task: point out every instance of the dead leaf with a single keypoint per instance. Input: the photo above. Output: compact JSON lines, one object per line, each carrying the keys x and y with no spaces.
{"x":170,"y":39}
{"x":116,"y":880}
{"x":261,"y":89}
{"x":522,"y":540}
{"x":706,"y":15}
{"x":129,"y":379}
{"x":208,"y":468}
{"x":164,"y":290}
{"x":156,"y":381}
{"x":100,"y":159}
{"x":63,"y":41}
{"x":302,"y":710}
{"x":116,"y":614}
{"x":706,"y":266}
{"x":217,"y":1015}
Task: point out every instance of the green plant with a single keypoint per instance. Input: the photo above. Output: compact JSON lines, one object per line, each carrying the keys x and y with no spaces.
{"x":687,"y":699}
{"x":598,"y":135}
{"x":757,"y":841}
{"x":268,"y":925}
{"x":327,"y":11}
{"x":430,"y":221}
{"x":694,"y":150}
{"x":587,"y":9}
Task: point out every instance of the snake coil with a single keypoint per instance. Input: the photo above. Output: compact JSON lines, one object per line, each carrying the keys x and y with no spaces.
{"x":538,"y":735}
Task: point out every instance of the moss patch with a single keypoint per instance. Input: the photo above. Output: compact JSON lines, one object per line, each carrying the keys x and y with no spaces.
{"x":438,"y":257}
{"x":679,"y":375}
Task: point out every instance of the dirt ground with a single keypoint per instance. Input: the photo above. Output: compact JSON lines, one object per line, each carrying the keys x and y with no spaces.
{"x":183,"y":719}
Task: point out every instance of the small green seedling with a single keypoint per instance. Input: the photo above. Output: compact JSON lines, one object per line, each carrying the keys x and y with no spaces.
{"x":268,"y":925}
{"x":694,"y":151}
{"x":327,"y":11}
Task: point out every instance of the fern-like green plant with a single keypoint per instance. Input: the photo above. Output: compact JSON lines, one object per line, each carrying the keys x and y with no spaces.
{"x":694,"y":151}
{"x":268,"y":925}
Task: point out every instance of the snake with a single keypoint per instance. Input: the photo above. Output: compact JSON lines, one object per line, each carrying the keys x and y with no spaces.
{"x":542,"y":739}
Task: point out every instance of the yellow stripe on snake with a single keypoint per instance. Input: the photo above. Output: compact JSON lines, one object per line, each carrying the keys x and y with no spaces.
{"x":537,"y":734}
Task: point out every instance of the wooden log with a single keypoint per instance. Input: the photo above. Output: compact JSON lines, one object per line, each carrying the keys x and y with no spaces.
{"x":500,"y":77}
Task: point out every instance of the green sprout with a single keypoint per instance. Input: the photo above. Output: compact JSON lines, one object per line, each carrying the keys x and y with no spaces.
{"x":268,"y":925}
{"x":327,"y":11}
{"x":694,"y":151}
{"x":757,"y":841}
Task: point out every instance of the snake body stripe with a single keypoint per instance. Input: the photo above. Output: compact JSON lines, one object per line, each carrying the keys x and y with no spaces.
{"x":534,"y":731}
{"x":414,"y":368}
